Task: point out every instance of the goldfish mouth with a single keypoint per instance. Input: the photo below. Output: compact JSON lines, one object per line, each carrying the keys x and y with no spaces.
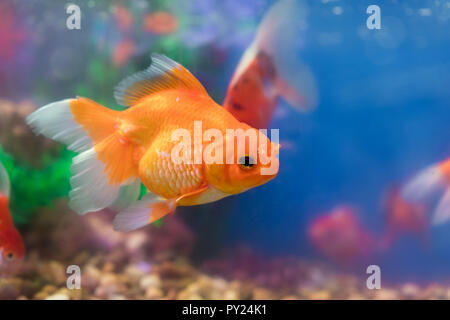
{"x":8,"y":267}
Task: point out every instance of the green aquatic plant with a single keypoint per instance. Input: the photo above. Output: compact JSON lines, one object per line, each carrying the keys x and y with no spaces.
{"x":33,"y":188}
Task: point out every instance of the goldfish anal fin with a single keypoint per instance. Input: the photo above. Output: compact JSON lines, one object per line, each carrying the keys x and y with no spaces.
{"x":145,"y":211}
{"x":163,"y":74}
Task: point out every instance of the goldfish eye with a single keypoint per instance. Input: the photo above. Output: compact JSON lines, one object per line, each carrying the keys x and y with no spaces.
{"x":9,"y":255}
{"x":246,"y":162}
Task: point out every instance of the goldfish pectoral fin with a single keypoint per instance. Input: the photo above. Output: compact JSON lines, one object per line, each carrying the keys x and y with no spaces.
{"x":145,"y":211}
{"x":128,"y":194}
{"x":425,"y":184}
{"x":442,"y":212}
{"x":292,"y":95}
{"x":162,"y":74}
{"x":192,"y":198}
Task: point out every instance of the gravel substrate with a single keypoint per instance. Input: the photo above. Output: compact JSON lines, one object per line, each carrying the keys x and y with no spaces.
{"x":153,"y":263}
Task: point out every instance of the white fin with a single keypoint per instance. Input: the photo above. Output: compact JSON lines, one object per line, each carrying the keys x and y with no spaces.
{"x":281,"y":35}
{"x":91,"y":190}
{"x":128,"y":195}
{"x":55,"y":121}
{"x":5,"y":186}
{"x":424,"y":185}
{"x":163,"y":74}
{"x":442,"y":212}
{"x":141,"y":213}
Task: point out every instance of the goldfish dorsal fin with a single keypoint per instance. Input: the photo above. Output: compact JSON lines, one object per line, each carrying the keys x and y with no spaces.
{"x":163,"y":74}
{"x":4,"y":181}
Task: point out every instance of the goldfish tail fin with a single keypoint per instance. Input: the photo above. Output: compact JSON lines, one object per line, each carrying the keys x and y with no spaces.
{"x":424,"y":184}
{"x":145,"y":211}
{"x":4,"y":181}
{"x":105,"y":163}
{"x":280,"y":36}
{"x":442,"y":212}
{"x":56,"y":121}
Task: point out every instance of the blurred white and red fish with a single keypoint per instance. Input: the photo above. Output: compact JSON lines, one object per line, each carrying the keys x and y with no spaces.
{"x":160,"y":23}
{"x":339,"y":236}
{"x":271,"y":68}
{"x":403,"y":217}
{"x":12,"y":249}
{"x":428,"y":184}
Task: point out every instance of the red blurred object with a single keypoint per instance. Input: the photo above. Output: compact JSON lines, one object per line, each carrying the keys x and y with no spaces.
{"x":12,"y":35}
{"x":123,"y":18}
{"x":403,"y":217}
{"x":160,"y":23}
{"x":340,"y":237}
{"x":123,"y":52}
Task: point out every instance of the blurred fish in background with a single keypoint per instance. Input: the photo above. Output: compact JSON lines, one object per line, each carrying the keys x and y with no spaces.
{"x":266,"y":70}
{"x":12,"y":249}
{"x":339,"y":236}
{"x":403,"y":217}
{"x":429,"y":183}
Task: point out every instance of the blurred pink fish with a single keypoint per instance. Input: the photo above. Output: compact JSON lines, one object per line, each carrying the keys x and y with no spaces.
{"x":339,"y":236}
{"x":402,"y":217}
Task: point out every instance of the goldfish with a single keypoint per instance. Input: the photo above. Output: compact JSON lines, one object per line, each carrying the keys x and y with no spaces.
{"x":271,"y":68}
{"x":12,"y":249}
{"x":431,"y":182}
{"x":339,"y":236}
{"x":403,"y":216}
{"x":160,"y":23}
{"x":149,"y":143}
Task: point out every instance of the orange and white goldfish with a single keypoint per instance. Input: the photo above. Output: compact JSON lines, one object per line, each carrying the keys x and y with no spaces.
{"x":12,"y":249}
{"x":429,"y":183}
{"x":121,"y":149}
{"x":271,"y":68}
{"x":339,"y":236}
{"x":403,"y":216}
